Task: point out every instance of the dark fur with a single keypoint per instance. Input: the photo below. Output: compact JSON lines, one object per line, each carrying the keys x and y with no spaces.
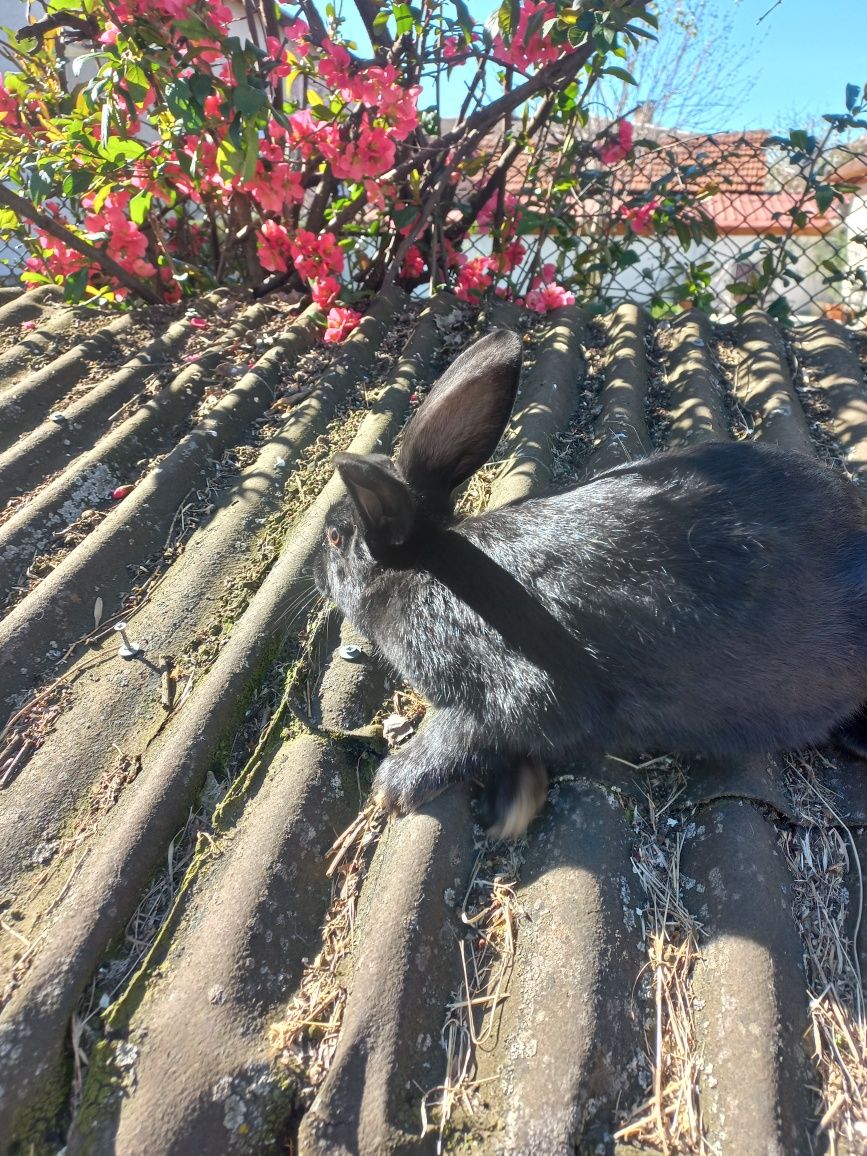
{"x":709,"y":600}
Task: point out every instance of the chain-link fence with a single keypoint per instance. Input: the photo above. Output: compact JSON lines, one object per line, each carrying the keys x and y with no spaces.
{"x":722,"y":221}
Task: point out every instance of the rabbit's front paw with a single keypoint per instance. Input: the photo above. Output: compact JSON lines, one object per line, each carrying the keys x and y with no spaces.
{"x":399,"y":788}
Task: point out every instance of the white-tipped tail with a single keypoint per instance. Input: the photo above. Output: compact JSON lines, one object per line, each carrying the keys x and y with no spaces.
{"x":530,"y":795}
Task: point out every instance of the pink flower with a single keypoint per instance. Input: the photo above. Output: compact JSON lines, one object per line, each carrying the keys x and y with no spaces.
{"x":324,"y":291}
{"x":414,"y":264}
{"x":56,"y":259}
{"x":474,"y":278}
{"x":334,"y":65}
{"x":549,"y":296}
{"x":28,"y":325}
{"x":274,"y":190}
{"x":641,"y":218}
{"x":199,"y":322}
{"x":376,"y":192}
{"x":110,"y":35}
{"x":399,"y":105}
{"x":303,"y":131}
{"x":273,"y":246}
{"x":454,"y":48}
{"x":618,"y":150}
{"x":124,"y":240}
{"x":513,"y":254}
{"x":314,"y":256}
{"x":370,"y":156}
{"x":340,"y":323}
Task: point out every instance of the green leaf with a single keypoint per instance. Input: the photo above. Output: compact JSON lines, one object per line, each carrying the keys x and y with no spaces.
{"x":403,"y":19}
{"x":8,"y":220}
{"x":137,"y":83}
{"x":117,"y":148}
{"x":74,"y":286}
{"x":853,"y":92}
{"x":463,"y":13}
{"x":229,"y":159}
{"x":178,"y":98}
{"x":825,"y":197}
{"x":683,"y":234}
{"x":780,"y":310}
{"x":139,"y":207}
{"x":101,"y":197}
{"x":77,"y":182}
{"x":251,"y":150}
{"x":621,"y":74}
{"x":801,"y":140}
{"x":248,"y":100}
{"x":39,"y":185}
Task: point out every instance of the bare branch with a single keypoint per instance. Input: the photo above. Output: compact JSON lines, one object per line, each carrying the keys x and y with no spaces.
{"x":769,"y":11}
{"x":84,"y":29}
{"x":318,"y":31}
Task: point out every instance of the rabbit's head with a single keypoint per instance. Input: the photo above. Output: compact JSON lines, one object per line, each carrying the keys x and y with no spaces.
{"x":393,"y":505}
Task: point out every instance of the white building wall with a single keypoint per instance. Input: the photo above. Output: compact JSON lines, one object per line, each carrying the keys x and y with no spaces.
{"x":856,"y":250}
{"x":662,"y":264}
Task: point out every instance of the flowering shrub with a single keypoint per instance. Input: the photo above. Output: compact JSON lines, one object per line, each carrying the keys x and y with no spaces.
{"x":174,"y":150}
{"x":172,"y":153}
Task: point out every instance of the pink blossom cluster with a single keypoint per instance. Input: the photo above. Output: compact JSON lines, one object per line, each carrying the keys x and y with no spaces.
{"x":548,"y":295}
{"x":474,"y":278}
{"x":456,"y":50}
{"x":371,"y":155}
{"x":375,"y":87}
{"x":315,"y":258}
{"x":158,"y":11}
{"x":56,"y":258}
{"x":276,"y":184}
{"x":292,"y":46}
{"x":528,"y":50}
{"x":124,"y":240}
{"x":413,"y":263}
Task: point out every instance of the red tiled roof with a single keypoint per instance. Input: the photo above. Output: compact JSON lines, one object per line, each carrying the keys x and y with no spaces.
{"x":729,"y":172}
{"x":765,"y":213}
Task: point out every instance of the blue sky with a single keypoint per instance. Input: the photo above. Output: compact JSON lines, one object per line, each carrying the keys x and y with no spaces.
{"x":788,"y":69}
{"x":808,"y":51}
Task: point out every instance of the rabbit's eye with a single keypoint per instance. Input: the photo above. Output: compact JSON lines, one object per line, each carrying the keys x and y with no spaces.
{"x":335,"y":538}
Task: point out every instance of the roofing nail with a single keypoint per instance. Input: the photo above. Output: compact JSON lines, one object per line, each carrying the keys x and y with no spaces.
{"x":129,"y":649}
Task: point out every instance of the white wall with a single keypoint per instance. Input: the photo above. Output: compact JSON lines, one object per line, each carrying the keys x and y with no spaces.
{"x":661,"y":264}
{"x":856,"y":253}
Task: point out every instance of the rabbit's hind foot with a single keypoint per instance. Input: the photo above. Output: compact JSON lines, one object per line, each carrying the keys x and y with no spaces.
{"x":513,"y":797}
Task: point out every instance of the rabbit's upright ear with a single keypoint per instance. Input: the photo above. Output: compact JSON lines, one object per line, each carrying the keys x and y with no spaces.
{"x":460,"y":423}
{"x":385,"y":506}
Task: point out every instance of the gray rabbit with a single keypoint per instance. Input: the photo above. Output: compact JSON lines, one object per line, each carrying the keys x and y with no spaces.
{"x":710,"y":600}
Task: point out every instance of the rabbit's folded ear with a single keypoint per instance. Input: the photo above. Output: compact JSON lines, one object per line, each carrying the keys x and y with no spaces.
{"x":460,"y":423}
{"x":386,"y":507}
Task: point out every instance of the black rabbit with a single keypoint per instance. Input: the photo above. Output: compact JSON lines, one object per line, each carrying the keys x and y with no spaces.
{"x":708,"y":600}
